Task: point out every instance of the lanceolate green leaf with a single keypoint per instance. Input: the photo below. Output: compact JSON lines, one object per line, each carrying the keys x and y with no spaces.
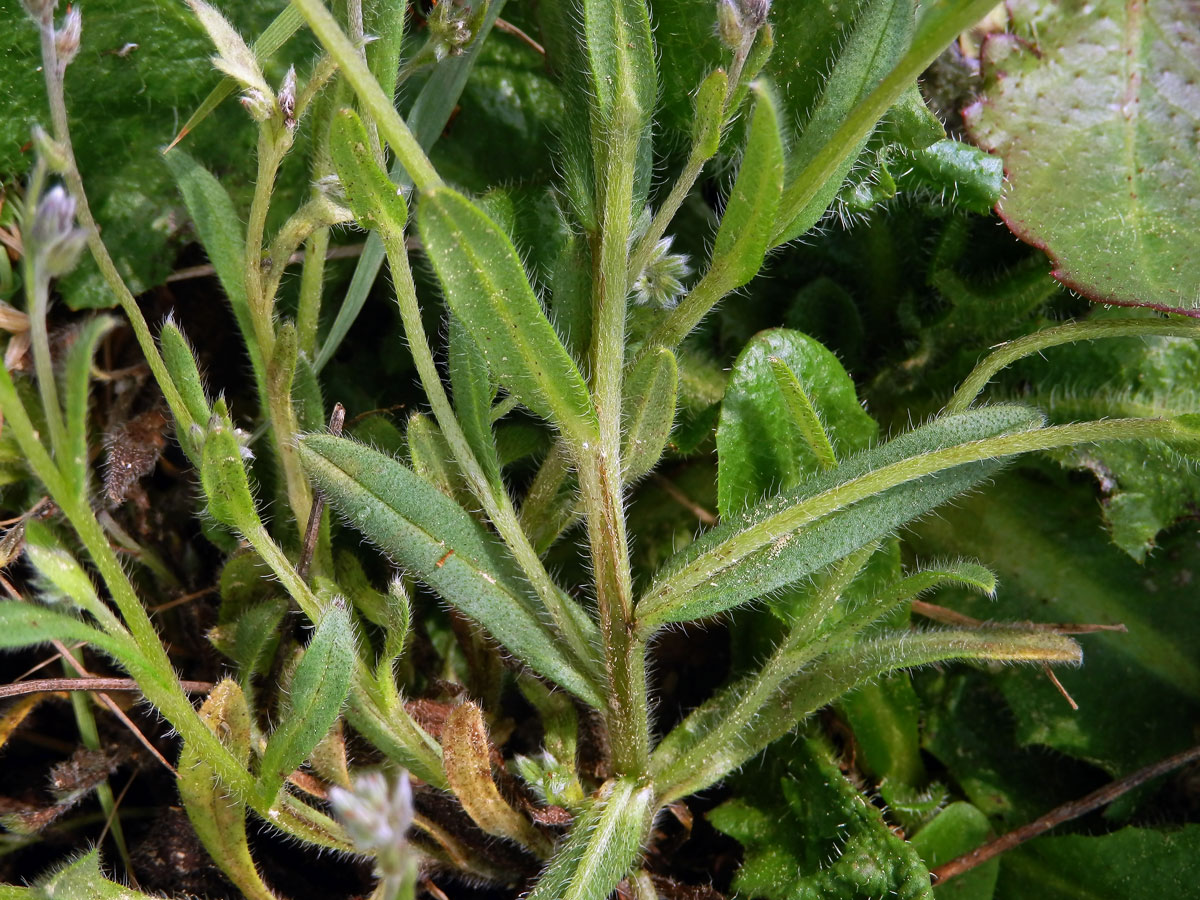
{"x":760,"y":444}
{"x":80,"y":878}
{"x":1110,"y":87}
{"x":220,"y":230}
{"x":318,"y":689}
{"x":77,"y":379}
{"x":650,"y":391}
{"x":435,"y":539}
{"x":473,"y":395}
{"x":181,"y":365}
{"x":826,"y":517}
{"x":881,"y":34}
{"x":54,"y":563}
{"x":27,"y":624}
{"x":488,"y":291}
{"x":377,"y":202}
{"x":605,"y":840}
{"x":218,"y":817}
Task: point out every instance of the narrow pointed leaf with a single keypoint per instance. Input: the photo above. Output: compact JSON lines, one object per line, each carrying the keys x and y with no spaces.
{"x":218,"y":816}
{"x":746,"y":227}
{"x":54,"y":562}
{"x":710,"y":114}
{"x":881,"y":34}
{"x":435,"y":539}
{"x":377,"y":201}
{"x":79,"y":878}
{"x":488,"y":291}
{"x":473,"y":395}
{"x":825,"y":518}
{"x":220,"y":230}
{"x":185,"y":373}
{"x":77,"y":378}
{"x":27,"y":624}
{"x":650,"y":392}
{"x":800,"y":408}
{"x":223,"y":473}
{"x":318,"y":689}
{"x":603,"y":845}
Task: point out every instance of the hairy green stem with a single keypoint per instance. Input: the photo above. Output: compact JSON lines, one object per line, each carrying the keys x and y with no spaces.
{"x":1009,"y":353}
{"x":375,"y":102}
{"x":141,"y":331}
{"x":312,"y":277}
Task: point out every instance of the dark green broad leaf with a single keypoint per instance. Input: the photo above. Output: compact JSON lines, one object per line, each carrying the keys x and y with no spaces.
{"x":825,"y":518}
{"x":1108,"y":87}
{"x":435,"y":539}
{"x":141,"y":63}
{"x":958,"y":829}
{"x":1133,"y":864}
{"x":809,"y":834}
{"x":487,"y":289}
{"x":1144,"y":488}
{"x":318,"y":688}
{"x":760,"y":445}
{"x":1053,"y":568}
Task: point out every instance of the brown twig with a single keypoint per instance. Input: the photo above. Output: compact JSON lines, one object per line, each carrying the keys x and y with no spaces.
{"x":58,"y":685}
{"x":509,"y":28}
{"x":204,"y":271}
{"x":1064,"y":813}
{"x":336,"y":420}
{"x":684,"y":500}
{"x":953,"y":617}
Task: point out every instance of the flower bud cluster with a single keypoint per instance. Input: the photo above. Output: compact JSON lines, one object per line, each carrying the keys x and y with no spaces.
{"x":377,"y":815}
{"x":453,"y":25}
{"x":66,"y":38}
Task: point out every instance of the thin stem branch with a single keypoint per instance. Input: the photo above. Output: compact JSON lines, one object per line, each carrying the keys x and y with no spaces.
{"x":1072,"y":810}
{"x":1009,"y":353}
{"x":60,"y":685}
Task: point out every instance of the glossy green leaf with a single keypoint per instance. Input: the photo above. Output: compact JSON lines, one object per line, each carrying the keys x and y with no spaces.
{"x":650,"y":391}
{"x":436,"y":540}
{"x":377,"y":201}
{"x":218,"y":817}
{"x":318,"y":688}
{"x":220,"y":230}
{"x":604,"y":842}
{"x":809,"y":834}
{"x":803,"y":529}
{"x":1054,"y":568}
{"x":185,"y":373}
{"x":760,"y":444}
{"x":77,"y":380}
{"x":1133,"y":863}
{"x":958,"y":829}
{"x":746,"y":226}
{"x":1106,"y":86}
{"x":473,"y":395}
{"x":487,"y":290}
{"x":880,"y":35}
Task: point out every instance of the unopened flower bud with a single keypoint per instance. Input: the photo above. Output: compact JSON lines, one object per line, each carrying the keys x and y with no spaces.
{"x":754,"y":12}
{"x":66,"y":38}
{"x":451,"y":27}
{"x":260,"y":106}
{"x":729,"y":23}
{"x":377,"y":816}
{"x":287,"y":98}
{"x":56,"y":242}
{"x":42,"y":11}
